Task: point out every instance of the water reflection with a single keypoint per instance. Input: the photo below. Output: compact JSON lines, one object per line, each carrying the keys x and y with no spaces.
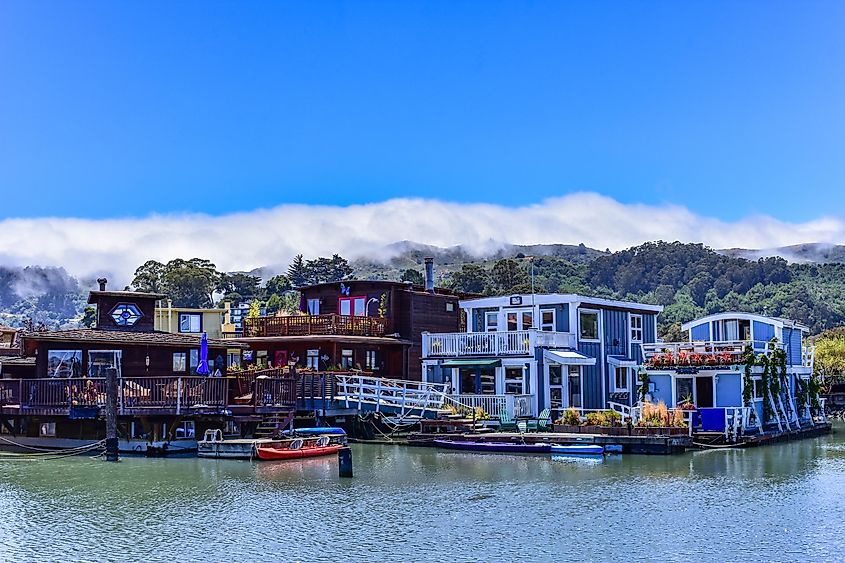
{"x":778,"y":502}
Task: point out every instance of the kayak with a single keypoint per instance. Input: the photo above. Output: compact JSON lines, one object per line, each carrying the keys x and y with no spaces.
{"x":318,"y":431}
{"x":577,"y":449}
{"x":497,"y":447}
{"x":269,"y":453}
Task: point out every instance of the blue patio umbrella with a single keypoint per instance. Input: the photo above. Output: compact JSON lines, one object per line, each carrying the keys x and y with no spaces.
{"x":202,"y":368}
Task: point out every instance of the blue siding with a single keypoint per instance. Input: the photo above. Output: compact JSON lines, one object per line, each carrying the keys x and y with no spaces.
{"x":763,"y":331}
{"x":478,"y":319}
{"x":561,"y":316}
{"x":728,"y":390}
{"x":649,"y":337}
{"x":592,"y":396}
{"x":700,"y":332}
{"x":662,"y":388}
{"x":792,"y":340}
{"x":615,"y":333}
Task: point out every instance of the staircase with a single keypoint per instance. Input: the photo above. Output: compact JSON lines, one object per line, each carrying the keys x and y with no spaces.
{"x":272,"y":424}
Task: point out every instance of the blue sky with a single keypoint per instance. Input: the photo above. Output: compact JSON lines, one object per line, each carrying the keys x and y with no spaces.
{"x":115,"y":109}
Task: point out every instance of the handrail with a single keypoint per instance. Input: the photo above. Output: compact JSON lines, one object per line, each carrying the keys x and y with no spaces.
{"x":307,"y":325}
{"x":404,"y":396}
{"x":500,"y":343}
{"x":493,"y":405}
{"x":702,"y":353}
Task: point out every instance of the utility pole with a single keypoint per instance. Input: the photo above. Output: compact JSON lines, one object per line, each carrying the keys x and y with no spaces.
{"x":111,"y":415}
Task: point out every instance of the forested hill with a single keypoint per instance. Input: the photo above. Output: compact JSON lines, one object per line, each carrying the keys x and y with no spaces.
{"x":690,"y":280}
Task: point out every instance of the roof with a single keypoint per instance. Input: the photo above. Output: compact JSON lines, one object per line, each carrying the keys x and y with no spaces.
{"x":124,"y":337}
{"x":776,"y":321}
{"x":126,"y":294}
{"x":441,"y":291}
{"x":568,"y":357}
{"x":529,"y":299}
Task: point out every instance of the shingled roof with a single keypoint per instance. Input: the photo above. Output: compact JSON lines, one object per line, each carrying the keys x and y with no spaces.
{"x":128,"y":338}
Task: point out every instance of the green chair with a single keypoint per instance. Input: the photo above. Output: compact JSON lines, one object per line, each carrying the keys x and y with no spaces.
{"x":506,"y":423}
{"x":542,"y":422}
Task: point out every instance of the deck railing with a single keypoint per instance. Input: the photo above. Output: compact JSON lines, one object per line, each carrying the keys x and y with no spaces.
{"x":702,"y":353}
{"x":504,"y":343}
{"x":492,"y":405}
{"x":310,"y":325}
{"x":175,"y":393}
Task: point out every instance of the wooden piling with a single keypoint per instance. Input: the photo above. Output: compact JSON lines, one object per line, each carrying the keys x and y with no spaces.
{"x":111,"y":415}
{"x":344,"y":462}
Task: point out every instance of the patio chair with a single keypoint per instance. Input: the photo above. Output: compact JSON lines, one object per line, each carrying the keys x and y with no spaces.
{"x":506,"y":423}
{"x":542,"y":422}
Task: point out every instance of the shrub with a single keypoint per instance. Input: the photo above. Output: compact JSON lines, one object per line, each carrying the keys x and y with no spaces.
{"x":571,"y":416}
{"x":595,"y":419}
{"x":612,"y":418}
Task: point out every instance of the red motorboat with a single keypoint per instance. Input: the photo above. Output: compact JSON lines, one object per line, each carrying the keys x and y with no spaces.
{"x":297,"y":449}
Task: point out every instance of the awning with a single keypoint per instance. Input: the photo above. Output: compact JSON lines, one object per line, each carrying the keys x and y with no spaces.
{"x":471,"y":364}
{"x":621,"y":362}
{"x":568,"y":357}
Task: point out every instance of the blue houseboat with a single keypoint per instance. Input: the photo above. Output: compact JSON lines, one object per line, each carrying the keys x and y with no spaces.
{"x":522,"y":354}
{"x":738,"y":372}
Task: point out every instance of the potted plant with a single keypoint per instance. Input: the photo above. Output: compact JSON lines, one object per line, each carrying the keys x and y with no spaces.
{"x":569,"y":422}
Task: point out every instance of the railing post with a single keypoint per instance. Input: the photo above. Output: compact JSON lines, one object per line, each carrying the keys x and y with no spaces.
{"x":178,"y":395}
{"x":378,"y":394}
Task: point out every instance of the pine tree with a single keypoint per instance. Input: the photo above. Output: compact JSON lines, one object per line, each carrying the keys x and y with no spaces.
{"x":297,"y":273}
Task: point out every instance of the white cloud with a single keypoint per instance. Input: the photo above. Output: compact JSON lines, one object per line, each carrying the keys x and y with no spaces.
{"x":243,"y":241}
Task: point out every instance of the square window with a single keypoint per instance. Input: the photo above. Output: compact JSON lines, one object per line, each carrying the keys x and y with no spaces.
{"x":547,"y":320}
{"x":588,"y":323}
{"x":312,"y":359}
{"x":47,"y":429}
{"x":491,"y":321}
{"x":346,"y":359}
{"x":190,"y":322}
{"x":636,"y":328}
{"x":179,"y":359}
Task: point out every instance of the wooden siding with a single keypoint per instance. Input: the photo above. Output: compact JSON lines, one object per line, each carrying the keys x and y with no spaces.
{"x":428,"y":314}
{"x":106,"y":303}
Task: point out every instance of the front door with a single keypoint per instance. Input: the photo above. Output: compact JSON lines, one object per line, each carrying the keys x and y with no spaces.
{"x":280,"y":358}
{"x":704,"y":392}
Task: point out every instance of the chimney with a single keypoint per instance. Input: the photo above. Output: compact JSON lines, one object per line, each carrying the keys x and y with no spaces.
{"x":429,"y":274}
{"x":102,"y":282}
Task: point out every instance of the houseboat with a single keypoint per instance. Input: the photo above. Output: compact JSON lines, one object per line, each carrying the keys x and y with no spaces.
{"x":521,"y":354}
{"x":52,"y":396}
{"x":737,"y":373}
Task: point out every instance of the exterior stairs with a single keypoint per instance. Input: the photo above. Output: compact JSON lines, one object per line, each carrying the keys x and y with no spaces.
{"x":272,"y":424}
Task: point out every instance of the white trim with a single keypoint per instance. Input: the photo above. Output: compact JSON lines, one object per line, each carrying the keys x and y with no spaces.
{"x":540,"y":317}
{"x":777,"y":322}
{"x":556,"y":299}
{"x":486,"y":323}
{"x":631,"y":329}
{"x":568,"y":357}
{"x":627,"y":388}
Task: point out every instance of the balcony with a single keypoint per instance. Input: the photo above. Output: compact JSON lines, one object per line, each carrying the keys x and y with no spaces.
{"x":504,"y":343}
{"x":314,"y":325}
{"x":669,"y":355}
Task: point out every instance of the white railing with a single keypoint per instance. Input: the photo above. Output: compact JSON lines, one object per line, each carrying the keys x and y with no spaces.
{"x":403,"y":397}
{"x":504,"y":343}
{"x":626,"y":411}
{"x":736,"y":421}
{"x":492,"y":405}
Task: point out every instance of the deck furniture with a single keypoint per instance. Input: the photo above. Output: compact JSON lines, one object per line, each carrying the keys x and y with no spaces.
{"x":506,"y":423}
{"x":542,"y":422}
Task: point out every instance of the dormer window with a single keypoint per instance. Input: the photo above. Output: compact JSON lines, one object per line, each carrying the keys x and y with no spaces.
{"x":126,"y":314}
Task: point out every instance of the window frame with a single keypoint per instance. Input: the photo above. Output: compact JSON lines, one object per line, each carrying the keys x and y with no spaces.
{"x":351,"y":300}
{"x":632,"y":328}
{"x":312,"y":306}
{"x":597,"y":314}
{"x":67,"y":361}
{"x":344,"y":355}
{"x":627,"y":385}
{"x":190,"y":316}
{"x":370,"y":360}
{"x":495,"y":316}
{"x":544,"y":324}
{"x":312,"y":359}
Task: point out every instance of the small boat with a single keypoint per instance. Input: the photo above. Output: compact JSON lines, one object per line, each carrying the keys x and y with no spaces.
{"x":496,"y":447}
{"x":319,"y":431}
{"x":296,"y":449}
{"x":573,"y":449}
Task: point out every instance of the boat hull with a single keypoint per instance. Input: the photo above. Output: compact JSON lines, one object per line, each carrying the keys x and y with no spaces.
{"x":558,"y":449}
{"x":273,"y":454}
{"x":493,"y":447}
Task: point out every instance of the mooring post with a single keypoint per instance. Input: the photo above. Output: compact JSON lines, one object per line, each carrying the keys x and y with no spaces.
{"x":344,"y":462}
{"x":111,"y":415}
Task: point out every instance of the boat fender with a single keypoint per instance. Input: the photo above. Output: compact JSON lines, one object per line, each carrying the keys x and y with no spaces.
{"x":322,"y":441}
{"x":296,"y":444}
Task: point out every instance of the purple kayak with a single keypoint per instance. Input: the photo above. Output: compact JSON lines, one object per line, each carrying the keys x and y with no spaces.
{"x":497,"y":447}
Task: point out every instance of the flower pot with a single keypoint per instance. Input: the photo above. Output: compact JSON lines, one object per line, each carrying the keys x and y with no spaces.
{"x":566,"y":428}
{"x":590,"y":429}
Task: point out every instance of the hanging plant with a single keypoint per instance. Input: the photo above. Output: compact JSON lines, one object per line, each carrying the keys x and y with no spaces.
{"x":763,"y":360}
{"x":644,"y":381}
{"x":748,"y":383}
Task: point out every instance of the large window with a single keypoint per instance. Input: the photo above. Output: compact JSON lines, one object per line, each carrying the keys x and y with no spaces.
{"x":180,"y":362}
{"x":547,"y":320}
{"x":491,"y":321}
{"x":684,"y":390}
{"x":313,"y":306}
{"x":346,"y":359}
{"x":636,"y":328}
{"x":64,"y":363}
{"x":352,"y":306}
{"x":190,"y":322}
{"x":588,"y":324}
{"x":101,"y":361}
{"x":514,"y":380}
{"x":520,"y":320}
{"x":575,"y":386}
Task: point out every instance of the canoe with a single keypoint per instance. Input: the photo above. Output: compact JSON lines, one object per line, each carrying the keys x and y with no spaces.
{"x":497,"y":447}
{"x":573,"y":449}
{"x":269,"y":453}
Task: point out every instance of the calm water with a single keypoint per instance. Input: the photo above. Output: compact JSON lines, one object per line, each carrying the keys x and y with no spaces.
{"x":775,"y":503}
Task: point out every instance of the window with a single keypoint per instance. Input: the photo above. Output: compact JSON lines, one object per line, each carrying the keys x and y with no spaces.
{"x":574,"y":386}
{"x":313,"y":306}
{"x":47,"y":429}
{"x":620,"y":382}
{"x":370,"y":360}
{"x":547,"y":320}
{"x":513,"y":380}
{"x":64,"y":363}
{"x":556,"y":388}
{"x":684,"y":390}
{"x":186,"y":430}
{"x":195,"y":361}
{"x":190,"y":322}
{"x":312,"y":359}
{"x":126,"y":314}
{"x":233,"y":359}
{"x":179,"y":359}
{"x":491,"y":321}
{"x":527,"y":320}
{"x":588,"y":324}
{"x":450,"y":307}
{"x":101,"y":361}
{"x":520,"y":320}
{"x":352,"y":306}
{"x":758,"y":389}
{"x":346,"y":359}
{"x":636,"y":328}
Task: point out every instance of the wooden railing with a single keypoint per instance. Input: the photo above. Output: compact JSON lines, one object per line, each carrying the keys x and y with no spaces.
{"x":309,"y":325}
{"x":492,"y":405}
{"x":504,"y":343}
{"x":175,"y":393}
